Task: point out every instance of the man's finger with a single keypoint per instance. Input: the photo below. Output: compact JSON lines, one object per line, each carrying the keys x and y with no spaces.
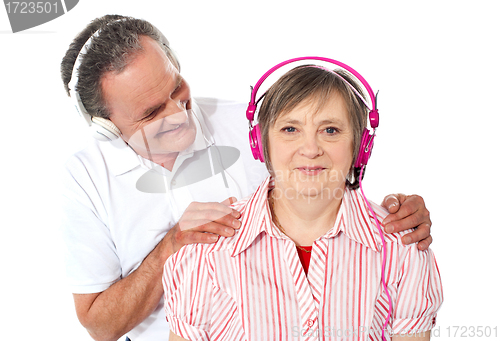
{"x":392,"y":202}
{"x":198,"y":219}
{"x":229,"y":201}
{"x":409,"y":207}
{"x":216,"y":228}
{"x":408,"y":222}
{"x":196,"y":209}
{"x":207,"y":232}
{"x":192,"y":237}
{"x":424,"y":244}
{"x":421,"y":233}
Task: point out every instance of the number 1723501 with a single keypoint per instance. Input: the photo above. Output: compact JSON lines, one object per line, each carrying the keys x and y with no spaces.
{"x":32,"y":7}
{"x":472,"y":331}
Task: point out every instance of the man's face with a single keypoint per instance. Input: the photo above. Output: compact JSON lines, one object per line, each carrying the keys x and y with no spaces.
{"x":149,"y":103}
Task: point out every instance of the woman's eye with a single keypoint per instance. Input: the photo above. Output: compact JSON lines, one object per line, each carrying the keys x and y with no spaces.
{"x":288,"y":129}
{"x":330,"y":130}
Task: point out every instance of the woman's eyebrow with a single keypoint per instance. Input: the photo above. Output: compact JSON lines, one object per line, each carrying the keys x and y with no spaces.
{"x":289,"y":121}
{"x":331,"y":121}
{"x":323,"y":122}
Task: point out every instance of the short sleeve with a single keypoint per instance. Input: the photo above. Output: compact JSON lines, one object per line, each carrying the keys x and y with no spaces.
{"x":188,"y":290}
{"x":419,"y":293}
{"x":92,"y":264}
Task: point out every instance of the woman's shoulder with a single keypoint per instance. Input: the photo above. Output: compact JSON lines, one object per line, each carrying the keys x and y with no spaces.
{"x":191,"y":253}
{"x":376,"y":211}
{"x":381,"y":213}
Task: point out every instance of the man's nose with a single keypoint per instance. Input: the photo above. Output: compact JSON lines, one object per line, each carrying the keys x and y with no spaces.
{"x":179,"y":117}
{"x":175,"y":113}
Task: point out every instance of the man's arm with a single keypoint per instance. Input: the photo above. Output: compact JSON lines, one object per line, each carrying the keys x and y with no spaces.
{"x":408,"y":212}
{"x":112,"y":313}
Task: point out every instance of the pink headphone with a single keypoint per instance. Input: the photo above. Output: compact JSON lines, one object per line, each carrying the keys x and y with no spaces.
{"x":366,"y":145}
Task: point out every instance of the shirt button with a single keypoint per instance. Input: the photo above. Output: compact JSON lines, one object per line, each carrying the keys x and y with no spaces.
{"x":310,"y":323}
{"x":173,"y":183}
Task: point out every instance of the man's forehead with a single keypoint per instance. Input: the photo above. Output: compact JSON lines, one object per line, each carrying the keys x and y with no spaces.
{"x":148,"y":77}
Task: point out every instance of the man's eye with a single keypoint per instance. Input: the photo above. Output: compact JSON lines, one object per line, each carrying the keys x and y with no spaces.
{"x":153,"y":113}
{"x":177,"y":89}
{"x":150,"y":116}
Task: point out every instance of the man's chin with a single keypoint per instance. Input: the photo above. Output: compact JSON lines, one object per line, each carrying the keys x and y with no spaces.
{"x":181,"y":143}
{"x":165,"y":146}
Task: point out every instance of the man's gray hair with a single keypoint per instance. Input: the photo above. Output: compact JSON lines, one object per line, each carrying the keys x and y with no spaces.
{"x":116,"y":45}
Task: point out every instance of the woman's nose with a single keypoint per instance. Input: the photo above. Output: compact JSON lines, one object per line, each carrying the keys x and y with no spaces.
{"x":311,"y":147}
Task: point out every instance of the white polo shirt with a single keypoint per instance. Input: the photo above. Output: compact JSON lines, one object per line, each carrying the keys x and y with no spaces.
{"x":118,"y":206}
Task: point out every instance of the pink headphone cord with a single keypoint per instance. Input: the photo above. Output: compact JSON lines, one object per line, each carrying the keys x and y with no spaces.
{"x":384,"y":247}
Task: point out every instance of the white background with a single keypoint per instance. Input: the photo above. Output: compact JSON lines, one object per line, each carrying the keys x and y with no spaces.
{"x":436,"y":64}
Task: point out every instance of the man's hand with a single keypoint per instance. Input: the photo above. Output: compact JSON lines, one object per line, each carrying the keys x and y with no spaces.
{"x":204,"y":223}
{"x":110,"y":314}
{"x":408,"y":212}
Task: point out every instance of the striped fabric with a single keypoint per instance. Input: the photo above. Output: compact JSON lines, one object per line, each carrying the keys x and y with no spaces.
{"x":253,"y":287}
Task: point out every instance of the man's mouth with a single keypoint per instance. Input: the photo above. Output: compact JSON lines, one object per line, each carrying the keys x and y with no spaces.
{"x":170,"y":130}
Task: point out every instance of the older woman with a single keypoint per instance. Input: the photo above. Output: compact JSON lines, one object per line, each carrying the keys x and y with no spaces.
{"x":307,"y":262}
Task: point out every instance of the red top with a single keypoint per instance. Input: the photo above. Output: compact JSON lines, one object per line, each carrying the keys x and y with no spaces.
{"x":305,"y":257}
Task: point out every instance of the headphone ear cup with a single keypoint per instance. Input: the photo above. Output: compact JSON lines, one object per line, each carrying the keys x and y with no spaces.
{"x":104,"y":130}
{"x":365,"y":149}
{"x":256,"y":143}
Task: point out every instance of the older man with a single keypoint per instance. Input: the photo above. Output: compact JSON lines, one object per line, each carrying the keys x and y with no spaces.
{"x":165,"y":179}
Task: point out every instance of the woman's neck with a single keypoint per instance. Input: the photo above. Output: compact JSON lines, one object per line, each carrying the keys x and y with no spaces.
{"x":304,"y":219}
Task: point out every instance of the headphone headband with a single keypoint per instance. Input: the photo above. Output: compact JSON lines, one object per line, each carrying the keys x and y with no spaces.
{"x":102,"y":129}
{"x":373,"y":116}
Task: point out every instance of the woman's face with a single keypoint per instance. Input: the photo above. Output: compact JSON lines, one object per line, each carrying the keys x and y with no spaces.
{"x":311,"y":150}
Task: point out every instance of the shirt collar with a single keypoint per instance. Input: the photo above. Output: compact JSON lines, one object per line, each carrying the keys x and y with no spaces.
{"x":121,"y":158}
{"x":354,"y":220}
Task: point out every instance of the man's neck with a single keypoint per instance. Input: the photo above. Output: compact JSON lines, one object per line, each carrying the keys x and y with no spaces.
{"x":166,"y":161}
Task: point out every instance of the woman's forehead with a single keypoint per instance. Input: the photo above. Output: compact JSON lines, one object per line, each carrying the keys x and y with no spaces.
{"x":330,"y":108}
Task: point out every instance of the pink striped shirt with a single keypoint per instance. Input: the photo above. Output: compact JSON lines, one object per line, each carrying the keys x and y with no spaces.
{"x":253,"y":287}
